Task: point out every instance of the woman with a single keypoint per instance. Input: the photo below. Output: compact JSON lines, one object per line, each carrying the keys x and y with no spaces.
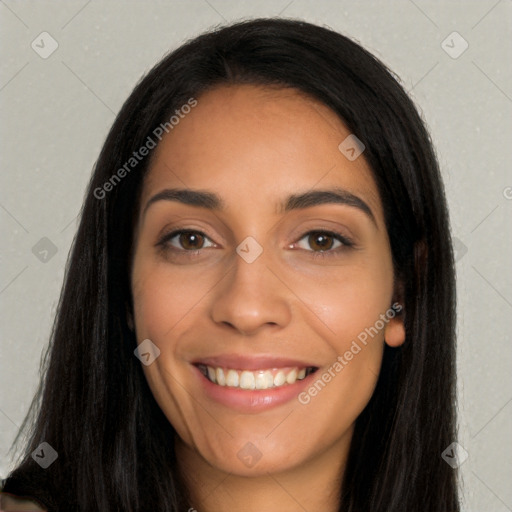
{"x":259,"y":306}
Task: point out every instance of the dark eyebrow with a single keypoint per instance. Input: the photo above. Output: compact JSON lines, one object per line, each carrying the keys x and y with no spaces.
{"x":211,"y":201}
{"x":335,"y":195}
{"x":200,"y":198}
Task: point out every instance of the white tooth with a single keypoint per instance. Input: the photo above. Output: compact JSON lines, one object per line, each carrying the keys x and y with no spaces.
{"x":221,"y":379}
{"x":211,"y":373}
{"x":292,"y":376}
{"x":301,"y":374}
{"x":232,"y":378}
{"x":247,"y":380}
{"x":264,"y":380}
{"x":279,"y":379}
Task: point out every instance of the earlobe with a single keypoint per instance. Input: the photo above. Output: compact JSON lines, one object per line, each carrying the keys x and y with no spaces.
{"x":394,"y":332}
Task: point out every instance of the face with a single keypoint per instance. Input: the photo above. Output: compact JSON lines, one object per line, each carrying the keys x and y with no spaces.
{"x":262,"y":271}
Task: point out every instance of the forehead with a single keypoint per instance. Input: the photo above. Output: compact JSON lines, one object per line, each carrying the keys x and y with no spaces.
{"x":257,"y":142}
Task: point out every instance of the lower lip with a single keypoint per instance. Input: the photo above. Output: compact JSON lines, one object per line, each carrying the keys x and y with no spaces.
{"x":252,"y":401}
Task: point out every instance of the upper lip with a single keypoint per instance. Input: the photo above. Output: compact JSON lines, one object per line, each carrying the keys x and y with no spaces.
{"x":256,"y":362}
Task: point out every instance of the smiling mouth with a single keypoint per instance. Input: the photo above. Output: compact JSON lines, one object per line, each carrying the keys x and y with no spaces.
{"x":258,"y":379}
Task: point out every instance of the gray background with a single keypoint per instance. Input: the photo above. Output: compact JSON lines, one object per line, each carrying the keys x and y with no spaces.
{"x":56,"y":113}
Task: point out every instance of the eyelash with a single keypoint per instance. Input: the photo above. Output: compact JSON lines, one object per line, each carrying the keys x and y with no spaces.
{"x":345,"y":241}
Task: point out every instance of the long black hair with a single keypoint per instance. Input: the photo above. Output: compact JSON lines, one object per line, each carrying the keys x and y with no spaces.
{"x":95,"y":408}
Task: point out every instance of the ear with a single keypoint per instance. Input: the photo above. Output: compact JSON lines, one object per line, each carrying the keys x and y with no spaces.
{"x":394,"y":332}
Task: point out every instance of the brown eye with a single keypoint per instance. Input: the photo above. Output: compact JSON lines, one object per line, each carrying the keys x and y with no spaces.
{"x":186,"y":240}
{"x":191,"y":240}
{"x":324,"y":243}
{"x":321,"y":241}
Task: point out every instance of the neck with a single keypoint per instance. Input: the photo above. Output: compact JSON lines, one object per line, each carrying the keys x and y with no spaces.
{"x":312,"y":485}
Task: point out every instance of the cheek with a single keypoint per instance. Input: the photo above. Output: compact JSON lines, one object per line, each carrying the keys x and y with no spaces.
{"x":163,"y":299}
{"x":163,"y":304}
{"x":343,"y":387}
{"x":167,"y":304}
{"x":351,"y":300}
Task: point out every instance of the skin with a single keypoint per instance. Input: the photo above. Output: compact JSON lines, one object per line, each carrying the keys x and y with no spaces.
{"x":254,"y":146}
{"x":13,"y":503}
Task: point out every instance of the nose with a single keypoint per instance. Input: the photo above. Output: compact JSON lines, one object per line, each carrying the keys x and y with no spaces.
{"x":252,"y":296}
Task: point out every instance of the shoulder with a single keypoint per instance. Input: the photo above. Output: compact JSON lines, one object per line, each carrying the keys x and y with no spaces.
{"x":11,"y":503}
